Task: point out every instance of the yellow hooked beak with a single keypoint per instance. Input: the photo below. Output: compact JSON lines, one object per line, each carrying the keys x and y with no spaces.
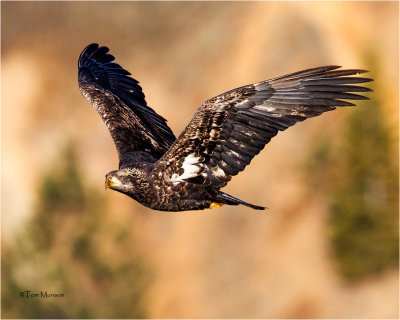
{"x":112,"y":181}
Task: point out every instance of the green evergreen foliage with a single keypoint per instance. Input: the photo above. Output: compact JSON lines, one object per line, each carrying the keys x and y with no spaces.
{"x":62,"y":250}
{"x":360,"y":178}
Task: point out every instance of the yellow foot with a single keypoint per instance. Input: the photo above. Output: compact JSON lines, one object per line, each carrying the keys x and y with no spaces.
{"x":216,"y":205}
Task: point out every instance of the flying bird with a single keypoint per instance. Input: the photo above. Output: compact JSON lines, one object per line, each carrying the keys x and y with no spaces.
{"x":166,"y":173}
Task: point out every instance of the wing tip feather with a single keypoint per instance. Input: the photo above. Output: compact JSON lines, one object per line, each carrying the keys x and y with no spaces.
{"x":95,"y":52}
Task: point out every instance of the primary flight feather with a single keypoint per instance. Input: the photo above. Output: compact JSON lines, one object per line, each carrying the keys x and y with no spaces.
{"x":226,"y":132}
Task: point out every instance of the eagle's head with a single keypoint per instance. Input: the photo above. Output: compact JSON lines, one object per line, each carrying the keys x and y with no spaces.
{"x":120,"y":180}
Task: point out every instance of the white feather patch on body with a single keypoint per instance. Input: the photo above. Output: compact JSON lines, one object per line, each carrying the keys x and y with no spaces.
{"x":191,"y":168}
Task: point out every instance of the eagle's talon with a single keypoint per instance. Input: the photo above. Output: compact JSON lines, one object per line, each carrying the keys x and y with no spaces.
{"x":216,"y":205}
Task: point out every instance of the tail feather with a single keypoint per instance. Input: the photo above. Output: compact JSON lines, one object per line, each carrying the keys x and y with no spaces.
{"x":228,"y":199}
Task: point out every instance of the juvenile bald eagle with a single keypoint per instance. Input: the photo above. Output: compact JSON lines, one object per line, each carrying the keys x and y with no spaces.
{"x":226,"y":132}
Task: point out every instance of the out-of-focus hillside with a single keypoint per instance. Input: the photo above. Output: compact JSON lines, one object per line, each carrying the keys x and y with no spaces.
{"x":221,"y":263}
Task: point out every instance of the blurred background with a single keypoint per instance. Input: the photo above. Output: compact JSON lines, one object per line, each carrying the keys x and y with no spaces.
{"x":326,"y":248}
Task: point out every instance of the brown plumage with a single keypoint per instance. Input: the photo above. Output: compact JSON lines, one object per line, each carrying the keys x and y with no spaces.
{"x":225,"y":133}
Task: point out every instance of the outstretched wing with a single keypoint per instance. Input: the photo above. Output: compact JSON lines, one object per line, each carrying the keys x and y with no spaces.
{"x":227,"y":131}
{"x":120,"y":102}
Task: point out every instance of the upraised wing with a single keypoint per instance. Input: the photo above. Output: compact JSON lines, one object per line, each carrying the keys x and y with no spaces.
{"x":121,"y":103}
{"x":227,"y":131}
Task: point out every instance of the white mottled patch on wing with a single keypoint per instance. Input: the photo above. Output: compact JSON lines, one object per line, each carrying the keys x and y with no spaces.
{"x":241,"y":104}
{"x":233,"y":153}
{"x":264,"y":108}
{"x":191,"y":168}
{"x":218,"y":172}
{"x":213,"y":134}
{"x":297,"y":113}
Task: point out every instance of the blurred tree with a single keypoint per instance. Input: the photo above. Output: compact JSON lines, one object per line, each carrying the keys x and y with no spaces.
{"x":72,"y":246}
{"x":359,"y":176}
